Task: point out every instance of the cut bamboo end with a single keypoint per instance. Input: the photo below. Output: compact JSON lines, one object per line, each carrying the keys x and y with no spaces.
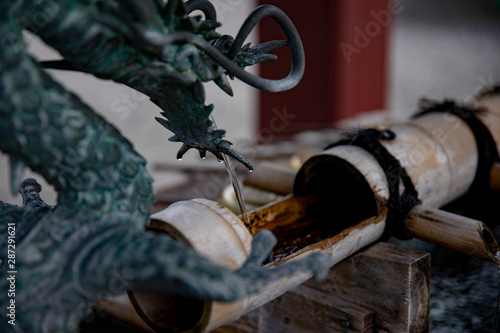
{"x":495,"y":177}
{"x":453,"y":231}
{"x":490,"y":243}
{"x":215,"y":233}
{"x":300,"y":231}
{"x":338,"y":207}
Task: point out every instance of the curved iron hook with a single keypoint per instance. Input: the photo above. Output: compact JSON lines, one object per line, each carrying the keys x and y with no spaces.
{"x":297,"y":50}
{"x":204,"y":6}
{"x":294,"y":41}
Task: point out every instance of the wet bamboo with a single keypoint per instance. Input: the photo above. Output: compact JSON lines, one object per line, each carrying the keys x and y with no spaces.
{"x":438,"y":152}
{"x":218,"y":234}
{"x":432,"y":225}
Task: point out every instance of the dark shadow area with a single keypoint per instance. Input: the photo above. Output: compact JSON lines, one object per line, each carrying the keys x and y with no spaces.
{"x":338,"y":197}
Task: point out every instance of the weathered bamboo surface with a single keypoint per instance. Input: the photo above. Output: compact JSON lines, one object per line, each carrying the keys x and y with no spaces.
{"x":339,"y":207}
{"x":230,"y":247}
{"x":453,"y":231}
{"x":439,"y":153}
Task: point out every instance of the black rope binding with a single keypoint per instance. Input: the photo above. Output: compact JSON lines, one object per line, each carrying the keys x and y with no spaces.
{"x":488,"y":91}
{"x":486,"y":146}
{"x":400,"y":203}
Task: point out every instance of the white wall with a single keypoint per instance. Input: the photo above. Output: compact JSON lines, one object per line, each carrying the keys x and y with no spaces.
{"x":235,"y":114}
{"x":442,"y":49}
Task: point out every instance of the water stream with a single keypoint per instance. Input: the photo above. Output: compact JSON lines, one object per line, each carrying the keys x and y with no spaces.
{"x":236,"y":185}
{"x":237,"y":189}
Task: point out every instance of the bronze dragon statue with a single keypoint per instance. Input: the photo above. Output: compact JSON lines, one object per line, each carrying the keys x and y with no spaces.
{"x":56,"y":261}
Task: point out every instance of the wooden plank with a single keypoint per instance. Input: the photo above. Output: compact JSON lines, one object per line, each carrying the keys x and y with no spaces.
{"x":392,"y":280}
{"x":307,"y":310}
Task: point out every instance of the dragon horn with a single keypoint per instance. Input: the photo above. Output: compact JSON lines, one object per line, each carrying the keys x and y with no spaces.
{"x":223,"y":83}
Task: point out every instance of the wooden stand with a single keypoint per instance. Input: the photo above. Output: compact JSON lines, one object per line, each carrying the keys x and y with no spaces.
{"x":384,"y":288}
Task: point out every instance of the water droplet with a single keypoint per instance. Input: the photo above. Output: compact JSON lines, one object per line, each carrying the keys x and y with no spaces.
{"x":203,"y":157}
{"x":220,"y":161}
{"x":387,"y":135}
{"x":179,"y":159}
{"x":249,"y":170}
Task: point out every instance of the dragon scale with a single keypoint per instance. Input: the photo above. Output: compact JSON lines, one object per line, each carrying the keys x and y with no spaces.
{"x":67,"y":255}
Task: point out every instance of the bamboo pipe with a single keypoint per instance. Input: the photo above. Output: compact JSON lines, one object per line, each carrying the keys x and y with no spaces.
{"x":285,"y":181}
{"x":438,"y":152}
{"x":429,"y":224}
{"x":219,"y":235}
{"x":440,"y":129}
{"x":453,"y":231}
{"x":215,"y":233}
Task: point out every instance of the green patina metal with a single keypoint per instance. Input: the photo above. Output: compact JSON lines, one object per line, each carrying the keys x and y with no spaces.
{"x":92,"y":244}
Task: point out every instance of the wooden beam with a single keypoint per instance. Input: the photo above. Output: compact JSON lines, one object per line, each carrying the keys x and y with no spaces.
{"x":384,"y":288}
{"x":392,"y":280}
{"x":307,"y":310}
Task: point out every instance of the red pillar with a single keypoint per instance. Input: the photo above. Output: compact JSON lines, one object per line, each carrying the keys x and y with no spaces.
{"x":345,"y":43}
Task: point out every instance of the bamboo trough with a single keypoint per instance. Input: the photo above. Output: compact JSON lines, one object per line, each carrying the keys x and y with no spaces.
{"x":439,"y":154}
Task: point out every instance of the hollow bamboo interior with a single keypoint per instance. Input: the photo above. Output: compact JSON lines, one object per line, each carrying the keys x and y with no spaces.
{"x":339,"y":205}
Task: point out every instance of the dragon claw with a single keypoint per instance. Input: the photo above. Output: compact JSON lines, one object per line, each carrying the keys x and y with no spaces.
{"x":219,"y":156}
{"x":258,"y":276}
{"x":262,"y":245}
{"x":223,"y":83}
